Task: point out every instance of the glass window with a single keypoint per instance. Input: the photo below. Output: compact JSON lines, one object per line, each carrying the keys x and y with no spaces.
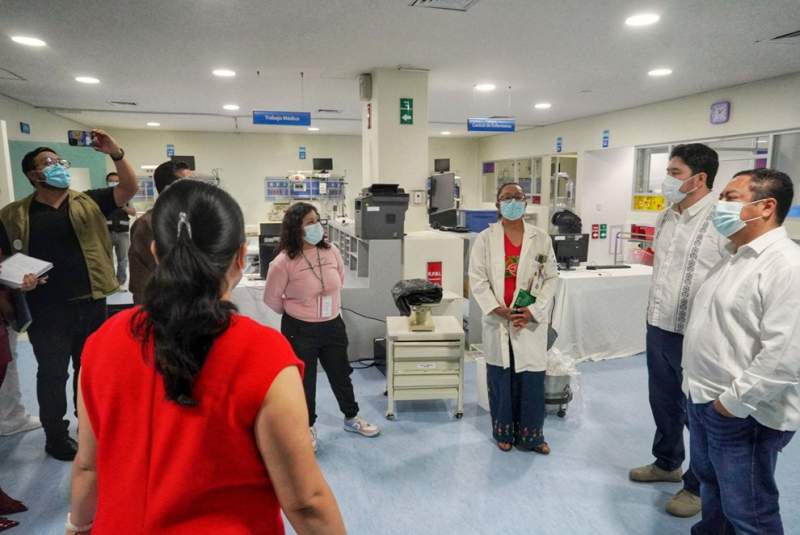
{"x":786,"y":158}
{"x":651,"y":168}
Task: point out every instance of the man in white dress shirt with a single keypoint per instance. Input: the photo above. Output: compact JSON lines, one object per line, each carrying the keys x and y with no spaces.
{"x":686,"y":248}
{"x":741,"y":358}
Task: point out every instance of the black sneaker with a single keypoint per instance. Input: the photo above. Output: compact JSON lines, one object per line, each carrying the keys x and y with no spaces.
{"x":63,"y":450}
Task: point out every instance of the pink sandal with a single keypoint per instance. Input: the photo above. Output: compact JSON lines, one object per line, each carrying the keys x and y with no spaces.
{"x":5,"y":523}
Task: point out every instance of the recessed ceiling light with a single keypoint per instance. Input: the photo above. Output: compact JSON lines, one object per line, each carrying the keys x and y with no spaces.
{"x":231,"y":107}
{"x":224,"y":73}
{"x":485,"y":87}
{"x":543,"y":106}
{"x":87,"y":80}
{"x":445,"y":133}
{"x":313,"y":129}
{"x":642,"y":19}
{"x":660,"y":72}
{"x":153,"y":124}
{"x":28,"y":41}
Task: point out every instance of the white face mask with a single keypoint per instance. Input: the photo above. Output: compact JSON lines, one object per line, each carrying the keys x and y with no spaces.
{"x":671,"y":188}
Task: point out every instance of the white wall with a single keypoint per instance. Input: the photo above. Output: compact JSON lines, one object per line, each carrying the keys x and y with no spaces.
{"x":605,"y":197}
{"x":246,"y":159}
{"x":463,"y":154}
{"x":45,"y":126}
{"x":767,"y":105}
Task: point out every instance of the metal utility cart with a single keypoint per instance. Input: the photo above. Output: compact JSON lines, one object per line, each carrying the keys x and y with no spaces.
{"x":558,"y":393}
{"x":424,"y":364}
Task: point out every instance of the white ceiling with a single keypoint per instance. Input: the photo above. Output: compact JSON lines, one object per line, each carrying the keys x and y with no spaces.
{"x":160,"y":53}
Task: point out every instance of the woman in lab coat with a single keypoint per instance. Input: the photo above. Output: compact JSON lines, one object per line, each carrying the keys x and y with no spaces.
{"x":511,"y":261}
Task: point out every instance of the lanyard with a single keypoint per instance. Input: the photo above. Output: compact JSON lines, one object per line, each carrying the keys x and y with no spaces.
{"x":321,"y":276}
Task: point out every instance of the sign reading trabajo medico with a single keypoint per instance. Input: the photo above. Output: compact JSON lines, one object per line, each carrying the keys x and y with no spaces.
{"x":487,"y":124}
{"x":282,"y":118}
{"x":406,"y":111}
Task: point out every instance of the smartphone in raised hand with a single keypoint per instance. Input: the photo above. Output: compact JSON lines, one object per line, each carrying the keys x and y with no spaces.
{"x":80,"y":138}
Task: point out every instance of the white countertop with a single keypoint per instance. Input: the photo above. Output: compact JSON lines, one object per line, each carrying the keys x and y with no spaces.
{"x":445,"y":328}
{"x":636,"y":270}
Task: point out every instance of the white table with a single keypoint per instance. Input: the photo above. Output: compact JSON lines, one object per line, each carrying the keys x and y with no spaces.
{"x":248,"y":296}
{"x":602,"y":314}
{"x":424,"y":364}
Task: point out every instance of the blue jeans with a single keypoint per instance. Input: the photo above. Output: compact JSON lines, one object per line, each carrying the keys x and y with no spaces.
{"x":668,"y":402}
{"x":735,"y":459}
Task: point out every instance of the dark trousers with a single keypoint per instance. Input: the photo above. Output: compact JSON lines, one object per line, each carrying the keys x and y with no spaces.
{"x":735,"y":460}
{"x":668,"y":402}
{"x":57,"y":335}
{"x":516,"y":403}
{"x":327,"y":342}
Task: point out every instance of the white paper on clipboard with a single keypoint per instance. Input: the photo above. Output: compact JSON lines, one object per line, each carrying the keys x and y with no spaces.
{"x":14,"y":268}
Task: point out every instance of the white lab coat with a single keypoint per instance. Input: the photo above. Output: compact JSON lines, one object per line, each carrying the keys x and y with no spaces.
{"x":487,"y":283}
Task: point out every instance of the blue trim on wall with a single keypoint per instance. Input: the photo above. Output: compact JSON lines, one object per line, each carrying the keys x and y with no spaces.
{"x":78,"y":156}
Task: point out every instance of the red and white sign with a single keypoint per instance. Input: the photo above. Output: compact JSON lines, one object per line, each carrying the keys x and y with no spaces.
{"x":435,"y":272}
{"x":595,"y":231}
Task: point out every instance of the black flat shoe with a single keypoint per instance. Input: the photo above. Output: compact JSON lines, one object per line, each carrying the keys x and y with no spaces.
{"x":63,"y":450}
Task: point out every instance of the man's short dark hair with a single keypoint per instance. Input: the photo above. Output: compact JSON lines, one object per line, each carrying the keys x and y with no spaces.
{"x":167,"y":173}
{"x":28,"y":161}
{"x":700,"y":159}
{"x":770,"y":183}
{"x":112,"y":173}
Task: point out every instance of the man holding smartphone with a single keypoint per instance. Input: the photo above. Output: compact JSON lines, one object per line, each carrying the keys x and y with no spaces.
{"x":67,"y":228}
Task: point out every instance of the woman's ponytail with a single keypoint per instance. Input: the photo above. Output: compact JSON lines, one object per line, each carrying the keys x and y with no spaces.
{"x":198,"y":230}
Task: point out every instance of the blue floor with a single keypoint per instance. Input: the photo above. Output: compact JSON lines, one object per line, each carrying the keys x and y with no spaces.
{"x":431,"y":474}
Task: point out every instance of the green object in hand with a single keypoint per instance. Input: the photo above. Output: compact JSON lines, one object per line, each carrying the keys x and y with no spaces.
{"x":524,"y":299}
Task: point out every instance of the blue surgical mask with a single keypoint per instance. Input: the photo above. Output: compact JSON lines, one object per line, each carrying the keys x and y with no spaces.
{"x":57,"y":176}
{"x":313,"y":233}
{"x":512,"y":209}
{"x":671,"y":189}
{"x":727,"y":217}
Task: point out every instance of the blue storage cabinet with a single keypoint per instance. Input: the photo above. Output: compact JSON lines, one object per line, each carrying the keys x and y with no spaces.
{"x":478,"y":220}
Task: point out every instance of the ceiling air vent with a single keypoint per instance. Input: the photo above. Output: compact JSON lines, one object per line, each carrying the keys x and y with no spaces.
{"x":328,"y":110}
{"x":122,"y":103}
{"x":450,"y":5}
{"x":5,"y":74}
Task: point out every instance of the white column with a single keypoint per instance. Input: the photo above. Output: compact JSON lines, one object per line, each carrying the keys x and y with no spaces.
{"x":395,"y":153}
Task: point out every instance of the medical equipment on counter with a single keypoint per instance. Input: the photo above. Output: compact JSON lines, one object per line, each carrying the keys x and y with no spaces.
{"x":381,"y":212}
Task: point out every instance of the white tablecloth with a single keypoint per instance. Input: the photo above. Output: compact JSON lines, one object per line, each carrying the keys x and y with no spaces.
{"x":602,"y":314}
{"x":248,"y":296}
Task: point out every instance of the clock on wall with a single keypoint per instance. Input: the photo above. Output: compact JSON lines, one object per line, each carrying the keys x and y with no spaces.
{"x":720,"y":112}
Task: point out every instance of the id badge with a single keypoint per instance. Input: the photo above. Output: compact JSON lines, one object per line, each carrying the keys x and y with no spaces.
{"x":326,"y":306}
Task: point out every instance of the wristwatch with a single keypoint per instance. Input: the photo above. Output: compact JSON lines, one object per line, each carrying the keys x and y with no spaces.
{"x":121,"y":155}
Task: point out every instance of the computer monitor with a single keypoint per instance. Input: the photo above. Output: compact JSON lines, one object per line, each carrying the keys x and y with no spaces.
{"x":570,"y":249}
{"x":188,"y":160}
{"x":441,"y":165}
{"x":323,"y":164}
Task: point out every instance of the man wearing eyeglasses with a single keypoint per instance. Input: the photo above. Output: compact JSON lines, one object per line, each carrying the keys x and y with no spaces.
{"x":67,"y":228}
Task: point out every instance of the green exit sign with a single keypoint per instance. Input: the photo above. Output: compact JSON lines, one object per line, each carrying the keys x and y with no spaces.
{"x":406,"y":111}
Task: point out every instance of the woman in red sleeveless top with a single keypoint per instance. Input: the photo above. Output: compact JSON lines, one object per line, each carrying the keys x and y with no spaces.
{"x":191,"y":417}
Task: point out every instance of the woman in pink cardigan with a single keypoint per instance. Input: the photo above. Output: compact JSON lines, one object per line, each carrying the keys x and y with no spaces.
{"x":304,"y":283}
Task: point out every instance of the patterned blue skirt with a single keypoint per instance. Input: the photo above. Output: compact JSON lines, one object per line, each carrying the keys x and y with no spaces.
{"x":516,"y":402}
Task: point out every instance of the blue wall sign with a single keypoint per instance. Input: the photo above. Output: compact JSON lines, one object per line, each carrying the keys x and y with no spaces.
{"x":25,"y":128}
{"x":795,"y":211}
{"x":170,"y":151}
{"x":485,"y":124}
{"x":559,"y":144}
{"x":606,"y":138}
{"x":302,"y":153}
{"x":282,"y":118}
